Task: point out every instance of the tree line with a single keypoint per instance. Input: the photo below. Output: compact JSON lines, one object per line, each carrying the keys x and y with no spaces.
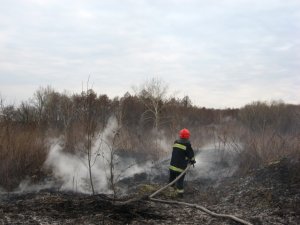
{"x":267,"y":130}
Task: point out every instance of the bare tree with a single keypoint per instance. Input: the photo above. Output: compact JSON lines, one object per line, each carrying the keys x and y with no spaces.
{"x":111,"y":160}
{"x":113,"y":143}
{"x":86,"y":112}
{"x":153,"y":93}
{"x":90,"y":130}
{"x":186,"y":101}
{"x":40,"y":101}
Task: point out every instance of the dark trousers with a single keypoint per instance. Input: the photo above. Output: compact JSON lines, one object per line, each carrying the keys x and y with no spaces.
{"x":179,"y":183}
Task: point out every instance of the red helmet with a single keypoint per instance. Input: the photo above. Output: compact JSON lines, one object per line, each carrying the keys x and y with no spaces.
{"x":184,"y":133}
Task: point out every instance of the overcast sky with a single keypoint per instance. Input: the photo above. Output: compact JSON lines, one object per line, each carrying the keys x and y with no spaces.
{"x":221,"y":53}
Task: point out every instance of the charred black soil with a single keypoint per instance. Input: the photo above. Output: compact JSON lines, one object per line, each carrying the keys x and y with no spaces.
{"x":270,"y":195}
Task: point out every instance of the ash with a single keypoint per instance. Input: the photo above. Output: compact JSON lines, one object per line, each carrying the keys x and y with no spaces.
{"x":270,"y":195}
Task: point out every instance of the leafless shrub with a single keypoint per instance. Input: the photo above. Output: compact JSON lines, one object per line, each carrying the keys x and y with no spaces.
{"x":270,"y":135}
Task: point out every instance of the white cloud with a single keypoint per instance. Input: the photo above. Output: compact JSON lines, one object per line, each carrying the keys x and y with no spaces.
{"x":215,"y":47}
{"x":85,"y":14}
{"x":40,"y":2}
{"x":284,"y":47}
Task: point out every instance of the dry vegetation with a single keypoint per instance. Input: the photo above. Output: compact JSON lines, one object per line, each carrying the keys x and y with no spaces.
{"x":258,"y":133}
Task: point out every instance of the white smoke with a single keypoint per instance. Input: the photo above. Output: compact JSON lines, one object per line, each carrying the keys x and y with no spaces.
{"x":71,"y":170}
{"x":214,"y":162}
{"x":71,"y":173}
{"x":27,"y":186}
{"x":165,"y":145}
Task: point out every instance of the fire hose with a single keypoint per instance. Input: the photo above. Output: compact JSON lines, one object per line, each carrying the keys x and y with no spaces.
{"x":151,"y":198}
{"x":228,"y":216}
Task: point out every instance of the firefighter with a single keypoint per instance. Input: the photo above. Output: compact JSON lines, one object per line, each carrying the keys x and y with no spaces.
{"x":182,"y":154}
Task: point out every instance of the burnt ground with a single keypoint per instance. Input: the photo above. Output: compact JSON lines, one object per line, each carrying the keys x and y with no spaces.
{"x":270,"y":195}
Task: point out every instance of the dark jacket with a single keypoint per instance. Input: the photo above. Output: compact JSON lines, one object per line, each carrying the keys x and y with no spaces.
{"x":182,"y":153}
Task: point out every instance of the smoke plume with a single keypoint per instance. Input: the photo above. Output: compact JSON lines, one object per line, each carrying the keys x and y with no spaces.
{"x":71,"y":170}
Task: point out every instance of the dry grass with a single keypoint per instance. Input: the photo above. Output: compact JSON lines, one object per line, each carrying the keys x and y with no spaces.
{"x":22,"y":153}
{"x":262,"y":149}
{"x":261,"y":134}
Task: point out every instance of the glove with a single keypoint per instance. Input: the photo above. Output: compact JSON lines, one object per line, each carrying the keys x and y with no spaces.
{"x":192,"y":161}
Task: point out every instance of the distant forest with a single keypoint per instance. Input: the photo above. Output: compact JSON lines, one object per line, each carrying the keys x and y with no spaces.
{"x":147,"y":123}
